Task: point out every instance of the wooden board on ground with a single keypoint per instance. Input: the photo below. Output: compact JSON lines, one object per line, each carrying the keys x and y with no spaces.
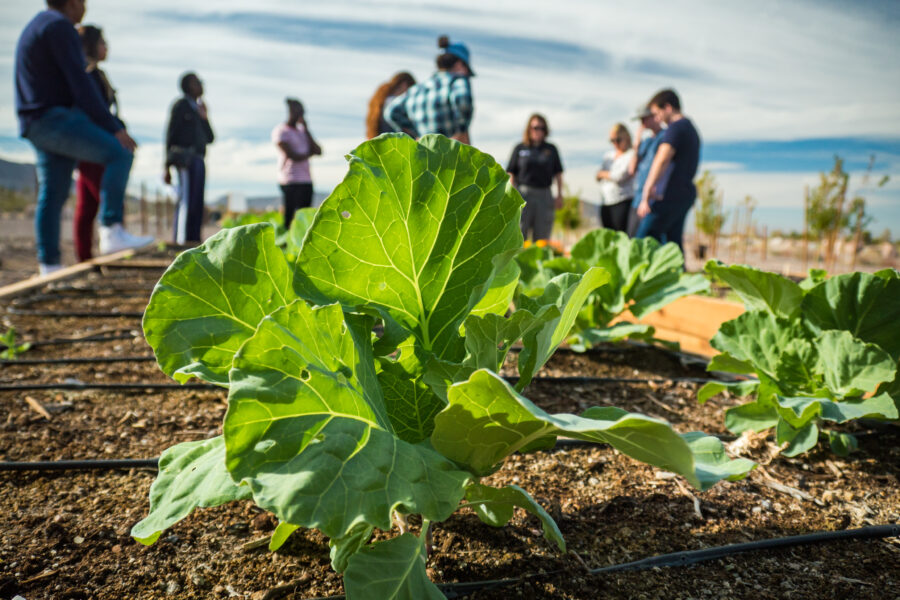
{"x":692,"y":321}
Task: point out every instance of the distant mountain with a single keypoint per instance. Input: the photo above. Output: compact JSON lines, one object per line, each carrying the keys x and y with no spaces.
{"x":17,"y":176}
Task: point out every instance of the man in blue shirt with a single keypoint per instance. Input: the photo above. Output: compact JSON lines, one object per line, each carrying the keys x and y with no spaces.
{"x":63,"y":115}
{"x":641,"y":161}
{"x":663,"y":212}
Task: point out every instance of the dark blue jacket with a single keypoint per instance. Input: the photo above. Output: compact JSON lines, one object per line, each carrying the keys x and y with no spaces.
{"x":50,"y":71}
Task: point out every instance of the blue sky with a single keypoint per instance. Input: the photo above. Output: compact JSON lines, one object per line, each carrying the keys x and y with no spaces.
{"x":775,"y":88}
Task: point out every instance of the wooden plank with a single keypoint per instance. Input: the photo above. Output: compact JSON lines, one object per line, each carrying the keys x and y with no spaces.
{"x":27,"y":285}
{"x":691,"y":321}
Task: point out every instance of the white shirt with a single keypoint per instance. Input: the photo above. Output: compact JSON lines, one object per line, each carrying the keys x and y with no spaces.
{"x":620,"y":185}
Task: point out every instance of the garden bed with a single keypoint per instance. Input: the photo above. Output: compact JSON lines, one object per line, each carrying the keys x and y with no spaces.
{"x":66,"y":534}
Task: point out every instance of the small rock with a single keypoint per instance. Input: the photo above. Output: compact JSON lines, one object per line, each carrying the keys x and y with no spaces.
{"x":263,"y":522}
{"x":828,"y":496}
{"x":172,"y":587}
{"x":78,"y":539}
{"x":766,"y":505}
{"x":199,"y":580}
{"x":756,"y":510}
{"x":117,"y":548}
{"x":171,"y":539}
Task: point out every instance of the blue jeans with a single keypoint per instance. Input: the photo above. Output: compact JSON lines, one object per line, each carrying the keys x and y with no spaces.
{"x":665,"y":223}
{"x":61,"y":137}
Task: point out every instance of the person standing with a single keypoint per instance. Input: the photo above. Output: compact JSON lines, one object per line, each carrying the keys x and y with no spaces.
{"x":441,"y":104}
{"x":663,"y":212}
{"x":641,"y":161}
{"x":616,"y":182}
{"x":91,"y":174}
{"x":295,"y":146}
{"x":61,"y":112}
{"x":384,"y":95}
{"x":533,"y":166}
{"x":187,"y":136}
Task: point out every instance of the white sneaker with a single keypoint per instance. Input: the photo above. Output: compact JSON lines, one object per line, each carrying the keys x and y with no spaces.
{"x":47,"y":269}
{"x":114,"y":238}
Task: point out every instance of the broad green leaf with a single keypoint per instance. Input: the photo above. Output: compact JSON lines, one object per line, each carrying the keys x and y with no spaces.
{"x":686,"y":285}
{"x":851,"y":367}
{"x":495,"y":507}
{"x":615,"y":333}
{"x":798,"y":440}
{"x":814,"y":278}
{"x":736,"y":388}
{"x":712,"y":463}
{"x":799,"y":411}
{"x":499,"y":296}
{"x":795,"y":370}
{"x":887,"y":274}
{"x":342,"y":549}
{"x":391,"y":570}
{"x":842,"y":444}
{"x":757,"y":337}
{"x":305,"y":431}
{"x":411,"y":403}
{"x":533,"y":275}
{"x":760,"y":290}
{"x":301,"y":223}
{"x":486,"y":420}
{"x":191,"y":475}
{"x":753,"y":416}
{"x":416,"y":230}
{"x":568,"y":293}
{"x":729,"y":364}
{"x":489,"y":338}
{"x":281,"y":534}
{"x":863,"y":304}
{"x":210,"y":300}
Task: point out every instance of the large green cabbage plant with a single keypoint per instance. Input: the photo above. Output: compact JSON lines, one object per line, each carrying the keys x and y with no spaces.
{"x":332,"y":427}
{"x":825,"y":350}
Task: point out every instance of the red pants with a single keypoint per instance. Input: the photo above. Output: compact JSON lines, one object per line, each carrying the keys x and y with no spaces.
{"x":86,"y":208}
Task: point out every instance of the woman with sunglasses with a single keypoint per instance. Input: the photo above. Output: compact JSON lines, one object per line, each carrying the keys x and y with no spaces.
{"x":616,"y":180}
{"x":533,"y":166}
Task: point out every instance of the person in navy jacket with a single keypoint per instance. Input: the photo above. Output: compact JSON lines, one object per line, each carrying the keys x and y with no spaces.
{"x":62,"y":113}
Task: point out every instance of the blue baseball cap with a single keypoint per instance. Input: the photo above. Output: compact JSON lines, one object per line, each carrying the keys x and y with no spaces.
{"x":461,"y":52}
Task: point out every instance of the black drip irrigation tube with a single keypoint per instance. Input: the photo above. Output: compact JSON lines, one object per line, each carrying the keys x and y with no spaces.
{"x":84,"y":340}
{"x":74,"y":314}
{"x":678,"y":559}
{"x":210,"y":386}
{"x":81,"y":465}
{"x":75,"y":360}
{"x":28,"y":387}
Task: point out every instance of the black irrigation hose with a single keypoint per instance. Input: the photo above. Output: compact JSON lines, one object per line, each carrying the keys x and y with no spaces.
{"x":87,"y":340}
{"x":75,"y":360}
{"x":679,"y":559}
{"x":60,"y":314}
{"x":209,"y":386}
{"x":80,"y":465}
{"x":25,"y":387}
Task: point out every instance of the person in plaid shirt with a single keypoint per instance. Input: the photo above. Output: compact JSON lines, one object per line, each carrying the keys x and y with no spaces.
{"x":442,"y":104}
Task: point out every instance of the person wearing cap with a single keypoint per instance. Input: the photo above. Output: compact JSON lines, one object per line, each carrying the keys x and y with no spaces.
{"x":663,"y":210}
{"x":295,"y":146}
{"x":616,"y":182}
{"x":641,"y":161}
{"x":441,"y":104}
{"x":187,"y":136}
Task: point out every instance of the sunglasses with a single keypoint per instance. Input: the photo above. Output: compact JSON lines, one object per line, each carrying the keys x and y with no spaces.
{"x":539,"y":128}
{"x":615,"y":140}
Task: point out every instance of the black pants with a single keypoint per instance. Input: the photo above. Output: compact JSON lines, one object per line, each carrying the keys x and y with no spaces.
{"x":615,"y":216}
{"x":296,"y":195}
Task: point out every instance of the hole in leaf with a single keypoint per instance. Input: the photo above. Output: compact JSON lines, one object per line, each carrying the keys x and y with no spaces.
{"x":304,"y":375}
{"x":346,"y":214}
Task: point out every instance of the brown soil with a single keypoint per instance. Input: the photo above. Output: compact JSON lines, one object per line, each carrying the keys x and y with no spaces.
{"x":65,"y":535}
